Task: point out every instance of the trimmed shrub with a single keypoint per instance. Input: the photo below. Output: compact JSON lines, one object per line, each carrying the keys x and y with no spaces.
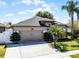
{"x":15,"y":37}
{"x":47,"y":36}
{"x":76,"y":34}
{"x":57,"y":46}
{"x":61,"y":47}
{"x":74,"y":45}
{"x":68,"y":33}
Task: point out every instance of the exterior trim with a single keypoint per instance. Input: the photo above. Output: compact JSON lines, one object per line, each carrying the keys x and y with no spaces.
{"x":30,"y":26}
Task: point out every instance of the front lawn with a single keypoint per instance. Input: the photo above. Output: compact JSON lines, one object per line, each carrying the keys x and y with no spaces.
{"x":75,"y":56}
{"x":67,"y":45}
{"x":2,"y":51}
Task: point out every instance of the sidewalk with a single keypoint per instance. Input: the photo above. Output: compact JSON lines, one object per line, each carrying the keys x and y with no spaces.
{"x":12,"y":52}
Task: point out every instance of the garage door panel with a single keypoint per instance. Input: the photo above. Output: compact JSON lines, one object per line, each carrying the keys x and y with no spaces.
{"x":25,"y":34}
{"x":31,"y":35}
{"x":37,"y":34}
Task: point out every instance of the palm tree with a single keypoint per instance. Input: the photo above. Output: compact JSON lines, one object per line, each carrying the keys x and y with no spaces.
{"x":70,"y":8}
{"x":77,"y":11}
{"x":56,"y":32}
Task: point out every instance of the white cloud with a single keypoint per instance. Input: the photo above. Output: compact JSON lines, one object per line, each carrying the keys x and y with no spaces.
{"x":2,"y":20}
{"x":49,"y":6}
{"x":42,"y":9}
{"x":53,"y":5}
{"x":40,"y":3}
{"x":45,"y":5}
{"x":2,"y":3}
{"x":22,"y":12}
{"x":34,"y":11}
{"x":9,"y":15}
{"x":36,"y":2}
{"x":26,"y":2}
{"x":13,"y":3}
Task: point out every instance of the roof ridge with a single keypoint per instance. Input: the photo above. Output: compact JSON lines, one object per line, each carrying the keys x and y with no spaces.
{"x":33,"y":21}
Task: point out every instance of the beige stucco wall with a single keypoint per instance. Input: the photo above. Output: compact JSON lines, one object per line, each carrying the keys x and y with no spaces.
{"x":29,"y":28}
{"x":30,"y":33}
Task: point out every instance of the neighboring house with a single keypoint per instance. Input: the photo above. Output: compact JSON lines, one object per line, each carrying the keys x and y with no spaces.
{"x":33,"y":28}
{"x":2,"y":27}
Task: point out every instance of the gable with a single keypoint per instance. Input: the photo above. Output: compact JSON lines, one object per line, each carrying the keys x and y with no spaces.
{"x":31,"y":22}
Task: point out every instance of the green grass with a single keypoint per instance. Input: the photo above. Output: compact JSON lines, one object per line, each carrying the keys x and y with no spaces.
{"x":71,"y":45}
{"x":75,"y":56}
{"x":2,"y":51}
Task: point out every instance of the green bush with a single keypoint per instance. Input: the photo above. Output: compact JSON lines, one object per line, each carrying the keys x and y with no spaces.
{"x":69,"y":33}
{"x":61,"y":47}
{"x":57,"y":46}
{"x":47,"y":36}
{"x":77,"y":37}
{"x":15,"y":37}
{"x":77,"y":31}
{"x":76,"y":34}
{"x":75,"y":56}
{"x":74,"y":45}
{"x":77,"y":40}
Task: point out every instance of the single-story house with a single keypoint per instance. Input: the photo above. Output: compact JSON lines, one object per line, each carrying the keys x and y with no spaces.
{"x":2,"y":27}
{"x":33,"y":28}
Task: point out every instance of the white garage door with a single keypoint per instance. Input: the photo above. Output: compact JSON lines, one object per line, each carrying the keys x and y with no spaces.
{"x":31,"y":35}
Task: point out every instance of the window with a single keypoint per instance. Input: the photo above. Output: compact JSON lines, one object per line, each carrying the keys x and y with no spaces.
{"x":2,"y":29}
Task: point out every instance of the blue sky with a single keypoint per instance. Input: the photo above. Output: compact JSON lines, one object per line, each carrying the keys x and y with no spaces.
{"x":18,"y":10}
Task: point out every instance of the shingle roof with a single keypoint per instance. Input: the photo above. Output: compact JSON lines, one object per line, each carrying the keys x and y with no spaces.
{"x":34,"y":21}
{"x":2,"y":25}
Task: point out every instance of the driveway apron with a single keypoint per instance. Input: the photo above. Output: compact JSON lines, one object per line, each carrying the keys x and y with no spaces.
{"x":28,"y":49}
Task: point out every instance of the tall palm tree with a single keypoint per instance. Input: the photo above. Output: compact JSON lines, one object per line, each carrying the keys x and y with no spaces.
{"x":77,"y":11}
{"x":70,"y":8}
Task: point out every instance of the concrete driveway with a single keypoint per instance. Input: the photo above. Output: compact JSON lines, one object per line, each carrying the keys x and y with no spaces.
{"x":28,"y":49}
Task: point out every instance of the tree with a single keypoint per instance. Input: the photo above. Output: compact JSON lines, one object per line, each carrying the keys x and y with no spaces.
{"x":48,"y":15}
{"x":57,"y":32}
{"x":45,"y":14}
{"x":75,"y":26}
{"x":77,"y":11}
{"x":70,"y":8}
{"x":40,"y":14}
{"x":15,"y":37}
